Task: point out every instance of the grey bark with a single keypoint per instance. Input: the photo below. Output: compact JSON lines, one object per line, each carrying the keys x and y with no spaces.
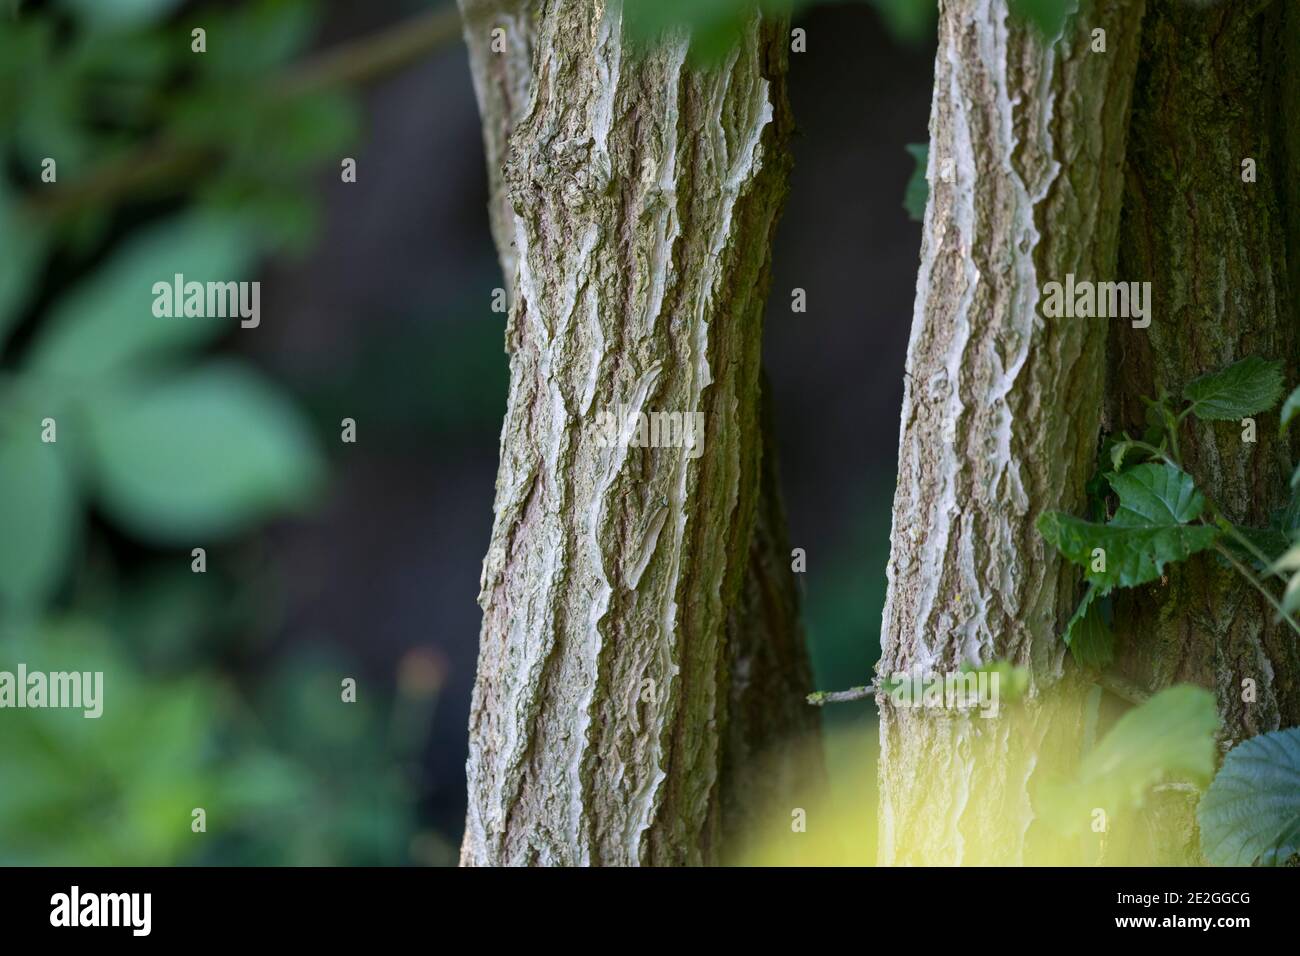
{"x":633,"y":606}
{"x":1000,"y":419}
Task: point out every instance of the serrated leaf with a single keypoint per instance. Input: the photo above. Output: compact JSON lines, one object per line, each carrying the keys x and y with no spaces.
{"x":917,"y":193}
{"x":1251,"y":812}
{"x":1155,"y":495}
{"x":1147,"y":532}
{"x":38,"y":515}
{"x":107,"y":323}
{"x":1088,"y":636}
{"x":1289,"y":409}
{"x":201,"y":456}
{"x":1134,"y":556}
{"x":1172,"y":734}
{"x":1248,"y":387}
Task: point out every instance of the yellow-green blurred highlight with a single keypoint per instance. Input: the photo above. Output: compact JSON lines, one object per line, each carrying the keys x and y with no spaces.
{"x":1063,"y":777}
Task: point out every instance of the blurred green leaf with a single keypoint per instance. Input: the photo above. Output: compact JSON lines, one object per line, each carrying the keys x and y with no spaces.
{"x":23,"y":244}
{"x":1172,"y":734}
{"x":200,"y":456}
{"x":1289,"y":409}
{"x":268,"y":139}
{"x":106,"y":324}
{"x":1048,"y":16}
{"x":39,"y":513}
{"x":1090,"y":639}
{"x":120,"y":14}
{"x":911,"y":21}
{"x":249,"y":40}
{"x":917,"y":193}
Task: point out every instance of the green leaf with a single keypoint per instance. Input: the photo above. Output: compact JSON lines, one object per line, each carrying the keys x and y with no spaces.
{"x":917,"y":193}
{"x":1147,"y":532}
{"x":120,"y":14}
{"x":107,"y":323}
{"x":201,"y":456}
{"x":1155,"y":495}
{"x":1244,"y":388}
{"x":1088,"y":636}
{"x":1048,"y":16}
{"x":1289,"y":409}
{"x":24,"y":243}
{"x":715,"y":27}
{"x":910,"y":21}
{"x":1013,"y":681}
{"x":1172,"y":734}
{"x":1251,"y":813}
{"x":39,"y":516}
{"x":1291,"y":596}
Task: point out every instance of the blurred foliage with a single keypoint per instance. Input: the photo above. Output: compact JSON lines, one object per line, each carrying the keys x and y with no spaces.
{"x":715,"y":25}
{"x":170,"y":162}
{"x":917,"y":193}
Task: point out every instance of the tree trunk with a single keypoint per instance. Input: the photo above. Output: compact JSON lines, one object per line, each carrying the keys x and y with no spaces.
{"x":1210,"y":92}
{"x":633,"y":600}
{"x":1000,"y":419}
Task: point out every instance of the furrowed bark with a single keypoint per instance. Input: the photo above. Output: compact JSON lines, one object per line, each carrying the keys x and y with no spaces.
{"x":1210,"y":92}
{"x":502,"y":85}
{"x":1000,"y":419}
{"x":640,"y":195}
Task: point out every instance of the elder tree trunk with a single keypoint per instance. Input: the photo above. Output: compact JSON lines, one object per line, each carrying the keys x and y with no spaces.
{"x":1214,"y":88}
{"x":1000,"y":417}
{"x":1209,"y":87}
{"x":640,"y":652}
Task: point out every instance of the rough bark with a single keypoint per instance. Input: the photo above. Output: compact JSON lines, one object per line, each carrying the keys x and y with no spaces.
{"x":1035,"y":132}
{"x":502,"y":85}
{"x":635,"y":213}
{"x":1210,"y":92}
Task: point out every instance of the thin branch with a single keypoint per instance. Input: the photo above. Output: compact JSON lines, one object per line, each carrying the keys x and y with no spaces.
{"x":376,"y":56}
{"x":823,"y":697}
{"x":164,"y":162}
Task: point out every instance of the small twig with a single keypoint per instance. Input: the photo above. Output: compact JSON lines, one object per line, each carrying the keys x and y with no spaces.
{"x":375,"y":56}
{"x":823,"y":697}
